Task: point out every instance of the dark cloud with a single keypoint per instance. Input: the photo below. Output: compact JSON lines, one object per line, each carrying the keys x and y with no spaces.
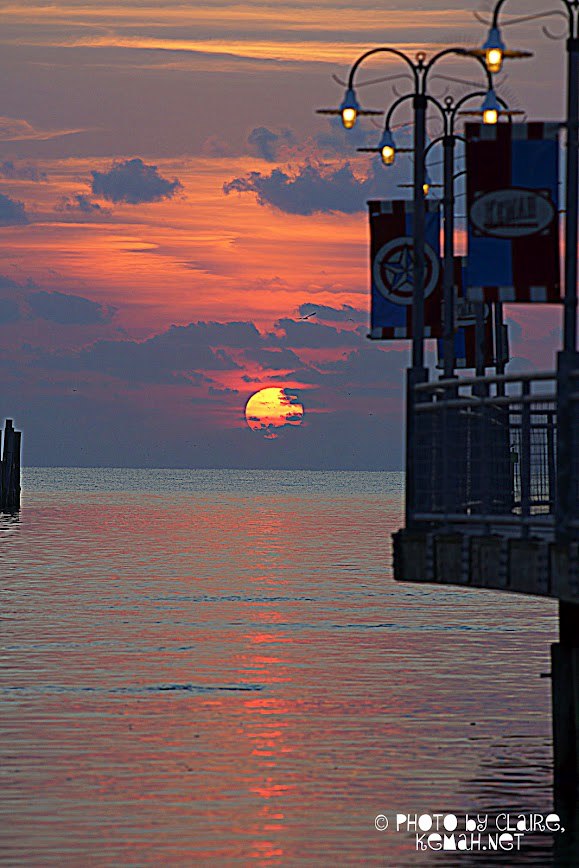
{"x":68,"y":309}
{"x":325,"y":313}
{"x":26,"y":172}
{"x":352,"y":400}
{"x":9,"y":311}
{"x":133,"y":181}
{"x":314,"y":335}
{"x":266,"y":144}
{"x":336,"y":140}
{"x":312,"y":188}
{"x":180,"y":355}
{"x":12,"y":212}
{"x":276,"y":146}
{"x":9,"y":283}
{"x":221,"y":334}
{"x":278,"y":360}
{"x":222,"y":391}
{"x":82,"y":204}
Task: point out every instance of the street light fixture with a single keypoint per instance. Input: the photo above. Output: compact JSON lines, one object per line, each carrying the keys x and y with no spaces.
{"x":494,"y":49}
{"x":491,"y":109}
{"x":387,"y":148}
{"x":349,"y":109}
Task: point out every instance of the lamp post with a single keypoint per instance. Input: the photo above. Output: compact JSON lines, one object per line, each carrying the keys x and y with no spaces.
{"x":350,"y":108}
{"x":420,"y":70}
{"x":493,"y":52}
{"x":449,"y":113}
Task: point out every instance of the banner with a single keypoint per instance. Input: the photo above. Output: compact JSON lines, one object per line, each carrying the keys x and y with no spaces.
{"x":392,"y":263}
{"x":513,"y":212}
{"x":465,"y":328}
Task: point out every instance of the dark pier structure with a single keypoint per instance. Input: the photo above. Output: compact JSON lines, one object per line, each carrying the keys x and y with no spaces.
{"x":493,"y":502}
{"x":10,"y":469}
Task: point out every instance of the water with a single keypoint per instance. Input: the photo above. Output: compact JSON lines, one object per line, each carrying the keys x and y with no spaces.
{"x":216,"y":668}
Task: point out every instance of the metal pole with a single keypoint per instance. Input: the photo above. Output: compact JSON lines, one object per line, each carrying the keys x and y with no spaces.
{"x":567,"y":360}
{"x":448,"y":324}
{"x":570,"y":320}
{"x":419,"y":231}
{"x":479,"y":307}
{"x":500,"y":349}
{"x":417,"y":373}
{"x":500,"y":344}
{"x":525,"y":458}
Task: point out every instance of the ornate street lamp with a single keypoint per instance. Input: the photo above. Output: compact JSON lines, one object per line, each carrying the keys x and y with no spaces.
{"x":491,"y":109}
{"x":350,"y":110}
{"x":420,"y":69}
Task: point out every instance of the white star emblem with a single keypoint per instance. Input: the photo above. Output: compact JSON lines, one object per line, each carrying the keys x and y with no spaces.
{"x":393,"y":270}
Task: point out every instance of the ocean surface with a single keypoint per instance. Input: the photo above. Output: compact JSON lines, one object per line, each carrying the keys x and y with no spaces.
{"x":217,"y":668}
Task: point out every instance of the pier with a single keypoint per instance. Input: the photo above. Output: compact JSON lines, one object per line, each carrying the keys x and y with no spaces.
{"x":492,"y":501}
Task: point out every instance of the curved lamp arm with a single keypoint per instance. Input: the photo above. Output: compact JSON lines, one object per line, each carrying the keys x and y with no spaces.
{"x":408,"y":96}
{"x":452,"y":112}
{"x":384,"y":50}
{"x":460,"y":52}
{"x":568,"y":4}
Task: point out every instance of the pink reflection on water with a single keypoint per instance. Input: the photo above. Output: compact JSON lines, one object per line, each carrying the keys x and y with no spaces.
{"x":189,"y":685}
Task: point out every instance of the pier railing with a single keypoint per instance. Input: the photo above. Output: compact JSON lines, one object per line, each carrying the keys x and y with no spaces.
{"x":484,"y":451}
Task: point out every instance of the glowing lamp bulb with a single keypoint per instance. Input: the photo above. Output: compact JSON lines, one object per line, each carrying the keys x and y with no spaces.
{"x":388,"y":155}
{"x":491,"y":108}
{"x":494,"y":50}
{"x":349,"y":108}
{"x":426,"y":188}
{"x":494,"y":59}
{"x":349,"y":116}
{"x":387,"y":147}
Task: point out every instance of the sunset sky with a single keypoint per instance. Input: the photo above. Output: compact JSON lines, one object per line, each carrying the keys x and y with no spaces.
{"x":179,"y":229}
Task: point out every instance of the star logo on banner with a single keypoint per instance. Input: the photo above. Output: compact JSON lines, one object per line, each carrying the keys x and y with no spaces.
{"x":394,"y":270}
{"x":399,"y":269}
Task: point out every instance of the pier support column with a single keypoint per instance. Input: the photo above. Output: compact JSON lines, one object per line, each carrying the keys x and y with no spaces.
{"x":565,"y":672}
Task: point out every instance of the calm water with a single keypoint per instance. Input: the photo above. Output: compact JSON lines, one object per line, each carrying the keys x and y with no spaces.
{"x":216,"y":668}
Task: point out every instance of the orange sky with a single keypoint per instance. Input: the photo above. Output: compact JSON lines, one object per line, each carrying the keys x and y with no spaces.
{"x":190,"y":91}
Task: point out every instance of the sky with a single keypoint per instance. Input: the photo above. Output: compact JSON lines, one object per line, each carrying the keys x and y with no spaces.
{"x":179,"y":229}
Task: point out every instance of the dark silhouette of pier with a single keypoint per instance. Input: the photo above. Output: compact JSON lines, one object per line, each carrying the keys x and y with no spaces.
{"x":493,"y":502}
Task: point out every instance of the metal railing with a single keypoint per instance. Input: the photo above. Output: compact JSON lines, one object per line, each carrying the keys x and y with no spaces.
{"x":485,"y":451}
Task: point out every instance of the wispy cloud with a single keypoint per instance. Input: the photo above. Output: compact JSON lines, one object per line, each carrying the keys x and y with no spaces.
{"x":19,"y":130}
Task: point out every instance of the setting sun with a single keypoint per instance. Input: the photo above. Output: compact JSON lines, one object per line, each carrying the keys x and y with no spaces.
{"x":270,"y":409}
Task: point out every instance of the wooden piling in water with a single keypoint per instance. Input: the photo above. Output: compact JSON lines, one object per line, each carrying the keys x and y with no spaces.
{"x":10,"y":469}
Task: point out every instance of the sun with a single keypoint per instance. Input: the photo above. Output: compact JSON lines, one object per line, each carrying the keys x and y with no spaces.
{"x":270,"y":410}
